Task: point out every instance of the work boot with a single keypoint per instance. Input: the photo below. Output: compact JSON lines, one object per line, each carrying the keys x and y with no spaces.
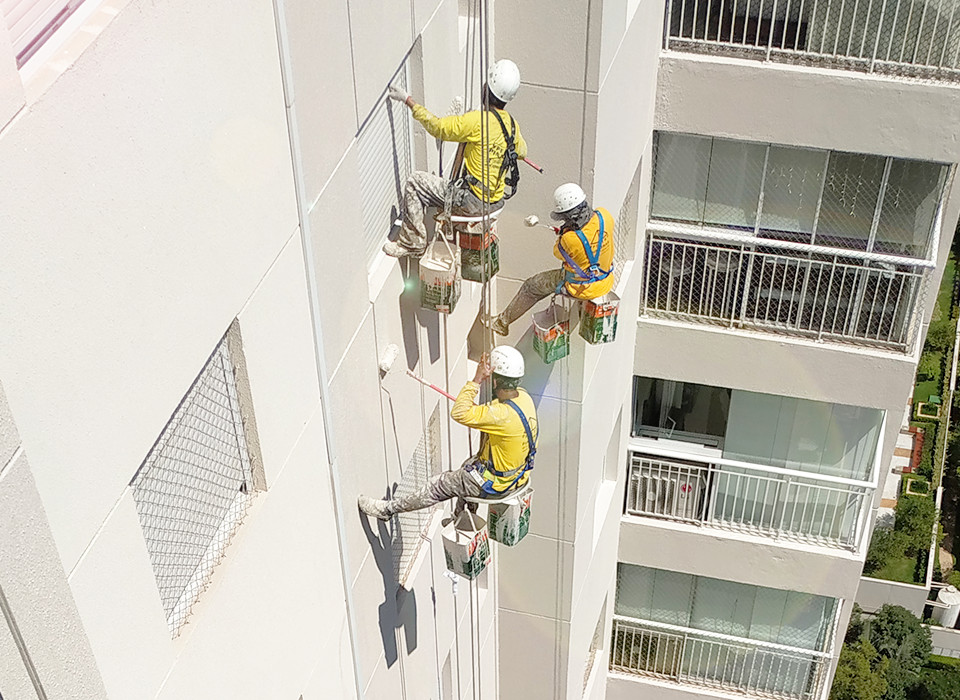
{"x":373,"y":507}
{"x":395,"y":250}
{"x":496,"y":324}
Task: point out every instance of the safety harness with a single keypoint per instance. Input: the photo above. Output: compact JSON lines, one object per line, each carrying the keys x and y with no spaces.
{"x":517,"y":473}
{"x":593,"y":273}
{"x":509,"y":163}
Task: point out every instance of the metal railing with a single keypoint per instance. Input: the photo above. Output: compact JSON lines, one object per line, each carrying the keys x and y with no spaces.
{"x":719,"y":661}
{"x":916,"y":38}
{"x":827,"y":294}
{"x":778,"y":503}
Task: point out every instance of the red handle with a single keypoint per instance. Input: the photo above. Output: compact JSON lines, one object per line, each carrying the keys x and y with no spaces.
{"x":432,"y":386}
{"x":533,"y":165}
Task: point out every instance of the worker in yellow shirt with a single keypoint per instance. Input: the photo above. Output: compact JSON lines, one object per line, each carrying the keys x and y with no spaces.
{"x":584,"y":245}
{"x":488,"y":169}
{"x":507,"y":446}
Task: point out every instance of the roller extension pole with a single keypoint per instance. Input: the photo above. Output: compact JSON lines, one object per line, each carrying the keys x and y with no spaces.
{"x":432,"y":386}
{"x":533,"y":165}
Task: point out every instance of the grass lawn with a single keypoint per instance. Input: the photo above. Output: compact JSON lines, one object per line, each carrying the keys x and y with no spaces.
{"x":899,"y":569}
{"x":923,"y":390}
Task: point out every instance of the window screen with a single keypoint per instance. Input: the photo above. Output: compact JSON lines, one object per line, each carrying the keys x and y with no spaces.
{"x":194,"y":486}
{"x":31,"y":22}
{"x":385,"y":151}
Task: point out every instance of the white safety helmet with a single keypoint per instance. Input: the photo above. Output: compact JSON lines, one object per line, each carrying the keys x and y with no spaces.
{"x":568,"y":196}
{"x":506,"y":361}
{"x":503,"y":79}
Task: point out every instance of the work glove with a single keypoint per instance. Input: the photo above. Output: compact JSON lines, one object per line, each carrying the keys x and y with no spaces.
{"x":395,"y":93}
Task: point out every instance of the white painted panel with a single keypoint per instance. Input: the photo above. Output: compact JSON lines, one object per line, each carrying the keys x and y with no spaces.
{"x":29,"y":19}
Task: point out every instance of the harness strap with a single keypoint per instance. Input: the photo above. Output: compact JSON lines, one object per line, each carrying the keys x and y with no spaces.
{"x":594,"y":272}
{"x":527,"y":465}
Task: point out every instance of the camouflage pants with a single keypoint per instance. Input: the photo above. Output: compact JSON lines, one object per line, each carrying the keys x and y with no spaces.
{"x":535,"y":288}
{"x":424,"y":190}
{"x":456,"y":483}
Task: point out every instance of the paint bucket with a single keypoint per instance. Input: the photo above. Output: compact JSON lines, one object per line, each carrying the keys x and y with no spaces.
{"x":440,"y":277}
{"x":598,"y":322}
{"x":551,"y":333}
{"x":509,"y":521}
{"x":466,"y":547}
{"x":472,"y":235}
{"x":480,"y":265}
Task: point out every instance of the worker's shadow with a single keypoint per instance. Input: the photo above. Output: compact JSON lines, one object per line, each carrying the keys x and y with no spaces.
{"x":399,"y":606}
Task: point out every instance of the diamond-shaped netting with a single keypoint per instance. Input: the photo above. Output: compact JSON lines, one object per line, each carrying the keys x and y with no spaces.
{"x":192,"y":489}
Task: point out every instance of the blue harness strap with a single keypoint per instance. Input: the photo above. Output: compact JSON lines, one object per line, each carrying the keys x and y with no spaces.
{"x":527,"y":463}
{"x":593,"y":273}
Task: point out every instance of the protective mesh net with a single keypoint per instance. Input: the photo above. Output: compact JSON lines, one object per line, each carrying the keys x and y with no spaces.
{"x":411,"y":528}
{"x":194,"y":486}
{"x":911,"y":38}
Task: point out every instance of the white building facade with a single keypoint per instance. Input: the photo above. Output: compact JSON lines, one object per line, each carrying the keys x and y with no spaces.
{"x":193,"y":305}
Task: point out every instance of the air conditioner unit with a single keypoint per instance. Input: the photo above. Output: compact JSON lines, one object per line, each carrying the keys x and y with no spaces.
{"x":676,"y":495}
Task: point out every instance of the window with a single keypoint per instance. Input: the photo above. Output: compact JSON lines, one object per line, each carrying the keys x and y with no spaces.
{"x":32,"y":22}
{"x":800,"y":620}
{"x":776,"y":431}
{"x":412,"y":526}
{"x":850,"y":201}
{"x":680,"y":410}
{"x":385,"y":151}
{"x":195,"y":484}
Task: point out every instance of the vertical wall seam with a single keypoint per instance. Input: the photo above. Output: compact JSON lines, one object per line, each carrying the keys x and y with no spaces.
{"x":21,"y":646}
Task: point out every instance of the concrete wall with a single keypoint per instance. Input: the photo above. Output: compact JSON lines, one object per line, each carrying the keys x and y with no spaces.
{"x":586,"y":113}
{"x":149,"y":199}
{"x":874,"y":593}
{"x":43,"y":646}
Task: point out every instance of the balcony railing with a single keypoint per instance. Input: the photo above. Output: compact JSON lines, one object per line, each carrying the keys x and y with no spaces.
{"x":718,"y":661}
{"x":903,"y":37}
{"x":788,"y":288}
{"x":778,"y":503}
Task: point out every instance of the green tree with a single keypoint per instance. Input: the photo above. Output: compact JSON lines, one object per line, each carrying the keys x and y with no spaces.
{"x":936,"y":684}
{"x":915,"y":516}
{"x":898,"y":636}
{"x":885,"y":545}
{"x":940,"y":334}
{"x":929,"y":366}
{"x":860,"y":673}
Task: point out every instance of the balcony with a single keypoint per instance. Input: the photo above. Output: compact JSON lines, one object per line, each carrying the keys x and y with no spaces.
{"x":913,"y":38}
{"x":717,"y":661}
{"x":827,"y":245}
{"x":817,"y":509}
{"x":724,"y":279}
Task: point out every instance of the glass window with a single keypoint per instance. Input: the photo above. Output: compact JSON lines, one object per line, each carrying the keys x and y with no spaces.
{"x":680,"y":177}
{"x":803,"y":435}
{"x":909,"y":207}
{"x":733,"y":183}
{"x":791,"y":190}
{"x":850,"y":197}
{"x":723,"y":607}
{"x":801,"y":620}
{"x":680,"y":410}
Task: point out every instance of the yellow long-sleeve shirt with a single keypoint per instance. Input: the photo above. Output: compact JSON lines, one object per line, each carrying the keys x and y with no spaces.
{"x":506,"y":443}
{"x":574,"y":247}
{"x":468,"y":128}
